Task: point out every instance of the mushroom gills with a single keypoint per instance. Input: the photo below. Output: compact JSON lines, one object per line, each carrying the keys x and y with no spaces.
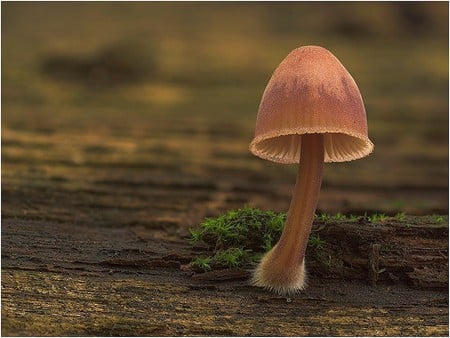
{"x":339,"y":147}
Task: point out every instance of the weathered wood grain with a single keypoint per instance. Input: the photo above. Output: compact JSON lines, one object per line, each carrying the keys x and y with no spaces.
{"x":62,"y":279}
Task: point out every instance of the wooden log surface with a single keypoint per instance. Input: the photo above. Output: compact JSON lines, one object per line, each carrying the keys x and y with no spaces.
{"x":76,"y":280}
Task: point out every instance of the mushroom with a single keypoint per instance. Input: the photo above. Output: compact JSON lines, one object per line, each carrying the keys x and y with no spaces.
{"x":311,"y":112}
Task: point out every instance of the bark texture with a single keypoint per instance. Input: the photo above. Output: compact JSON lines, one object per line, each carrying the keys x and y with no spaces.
{"x":385,"y":278}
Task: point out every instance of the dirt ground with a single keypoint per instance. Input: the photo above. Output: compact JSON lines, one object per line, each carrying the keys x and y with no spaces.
{"x":123,"y":126}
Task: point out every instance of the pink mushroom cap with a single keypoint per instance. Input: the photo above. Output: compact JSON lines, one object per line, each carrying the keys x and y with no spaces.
{"x":311,"y":92}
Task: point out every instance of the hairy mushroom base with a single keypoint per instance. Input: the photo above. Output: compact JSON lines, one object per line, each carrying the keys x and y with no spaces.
{"x":282,"y":269}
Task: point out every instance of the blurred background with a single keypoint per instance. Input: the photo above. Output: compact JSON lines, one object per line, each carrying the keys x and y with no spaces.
{"x":117,"y":114}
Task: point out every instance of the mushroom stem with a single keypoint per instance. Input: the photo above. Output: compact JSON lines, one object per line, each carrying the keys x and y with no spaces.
{"x":294,"y":239}
{"x":282,"y":268}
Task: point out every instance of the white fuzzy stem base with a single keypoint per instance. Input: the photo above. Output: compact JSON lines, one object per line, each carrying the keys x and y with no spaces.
{"x":272,"y":277}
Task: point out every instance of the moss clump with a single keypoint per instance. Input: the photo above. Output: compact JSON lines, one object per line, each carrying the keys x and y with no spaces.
{"x":237,"y":238}
{"x":202,"y":263}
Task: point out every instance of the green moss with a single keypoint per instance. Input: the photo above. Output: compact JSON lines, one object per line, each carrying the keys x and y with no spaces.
{"x":377,"y":217}
{"x":354,"y":218}
{"x":323,"y":217}
{"x":202,"y":263}
{"x":327,"y":262}
{"x":231,"y":258}
{"x":245,"y":228}
{"x":315,"y":242}
{"x":339,"y":217}
{"x":319,"y":251}
{"x":400,"y":216}
{"x":237,"y":238}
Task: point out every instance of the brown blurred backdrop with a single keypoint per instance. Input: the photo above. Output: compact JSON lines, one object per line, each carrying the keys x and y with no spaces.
{"x":141,"y":113}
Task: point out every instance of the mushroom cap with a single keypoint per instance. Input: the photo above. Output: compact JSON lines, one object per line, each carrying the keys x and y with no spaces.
{"x":311,"y":92}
